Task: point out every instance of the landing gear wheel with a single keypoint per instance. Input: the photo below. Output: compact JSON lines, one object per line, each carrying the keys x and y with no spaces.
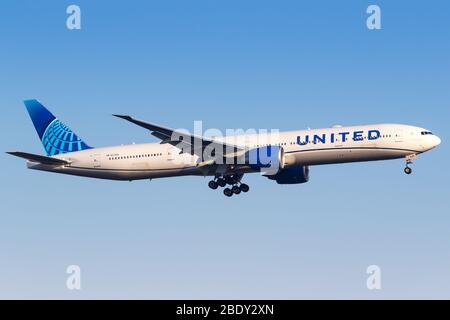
{"x":236,"y":190}
{"x":244,"y":187}
{"x":227,"y":192}
{"x":229,"y":180}
{"x":408,"y":170}
{"x":213,"y":185}
{"x":221,"y":182}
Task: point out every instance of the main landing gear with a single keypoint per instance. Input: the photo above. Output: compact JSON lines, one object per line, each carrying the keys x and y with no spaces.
{"x":233,"y":180}
{"x":409,"y":160}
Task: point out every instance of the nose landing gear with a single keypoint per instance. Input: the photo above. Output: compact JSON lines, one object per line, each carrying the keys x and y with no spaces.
{"x":409,"y":160}
{"x":233,"y":180}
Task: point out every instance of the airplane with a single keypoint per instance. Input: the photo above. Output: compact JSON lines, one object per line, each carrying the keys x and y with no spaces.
{"x":284,"y":157}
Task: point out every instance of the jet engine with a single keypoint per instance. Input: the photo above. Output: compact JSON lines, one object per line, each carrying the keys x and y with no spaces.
{"x":291,"y":175}
{"x":268,"y":159}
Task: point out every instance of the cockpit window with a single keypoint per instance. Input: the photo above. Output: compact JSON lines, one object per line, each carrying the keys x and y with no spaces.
{"x":424,"y":133}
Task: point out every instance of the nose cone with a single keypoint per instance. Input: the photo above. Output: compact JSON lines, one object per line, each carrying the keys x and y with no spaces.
{"x":436,"y":141}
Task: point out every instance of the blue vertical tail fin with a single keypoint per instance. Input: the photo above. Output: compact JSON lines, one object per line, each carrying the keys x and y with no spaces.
{"x":55,"y":136}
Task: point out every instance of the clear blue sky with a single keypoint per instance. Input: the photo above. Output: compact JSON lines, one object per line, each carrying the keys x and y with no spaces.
{"x":233,"y":64}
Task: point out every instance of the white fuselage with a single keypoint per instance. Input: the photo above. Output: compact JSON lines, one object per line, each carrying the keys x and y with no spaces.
{"x":305,"y":147}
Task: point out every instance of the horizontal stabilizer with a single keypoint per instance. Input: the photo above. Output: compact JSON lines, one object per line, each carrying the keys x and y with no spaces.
{"x":38,"y":158}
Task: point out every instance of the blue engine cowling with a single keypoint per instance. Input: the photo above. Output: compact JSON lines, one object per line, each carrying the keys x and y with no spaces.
{"x":291,"y":175}
{"x":267,"y":159}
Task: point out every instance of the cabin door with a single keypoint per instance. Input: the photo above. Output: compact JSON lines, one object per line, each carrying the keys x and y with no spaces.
{"x":96,"y":160}
{"x":171,"y":152}
{"x":398,"y":136}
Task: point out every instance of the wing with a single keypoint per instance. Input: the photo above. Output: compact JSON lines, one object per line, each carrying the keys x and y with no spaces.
{"x":38,"y":158}
{"x":187,"y":142}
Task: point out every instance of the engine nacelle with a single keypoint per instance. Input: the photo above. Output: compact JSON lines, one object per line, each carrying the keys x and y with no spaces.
{"x":268,"y":159}
{"x":291,"y":175}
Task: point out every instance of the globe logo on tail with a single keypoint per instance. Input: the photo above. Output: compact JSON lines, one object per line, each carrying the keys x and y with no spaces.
{"x":58,"y":138}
